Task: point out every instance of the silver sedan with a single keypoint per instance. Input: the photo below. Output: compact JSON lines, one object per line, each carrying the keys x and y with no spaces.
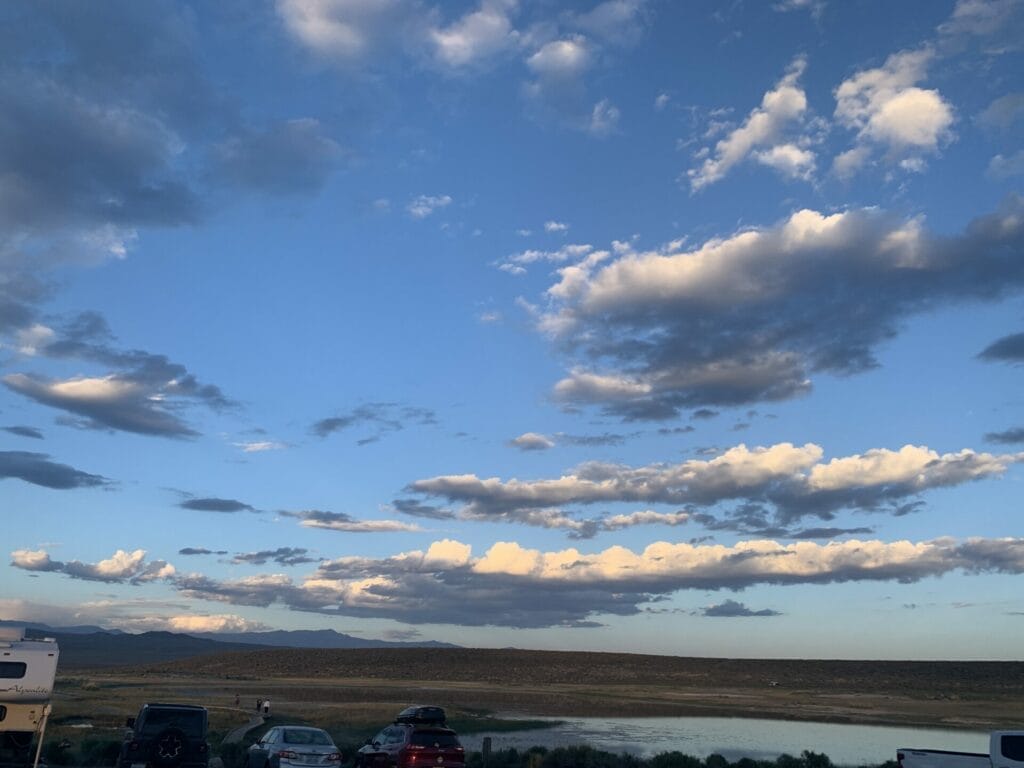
{"x":290,"y":746}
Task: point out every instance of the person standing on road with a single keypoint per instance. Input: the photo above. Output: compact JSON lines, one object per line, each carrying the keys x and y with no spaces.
{"x":266,"y":706}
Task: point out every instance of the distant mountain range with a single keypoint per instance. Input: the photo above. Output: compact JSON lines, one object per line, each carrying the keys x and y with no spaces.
{"x":313,"y":638}
{"x":91,"y":646}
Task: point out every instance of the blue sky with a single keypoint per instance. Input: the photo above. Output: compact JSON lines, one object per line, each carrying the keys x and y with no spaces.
{"x":686,"y":328}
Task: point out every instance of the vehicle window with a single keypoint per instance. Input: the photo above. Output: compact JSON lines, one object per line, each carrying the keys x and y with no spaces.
{"x":434,"y":738}
{"x":381,"y":737}
{"x":12,"y":670}
{"x":192,"y":722}
{"x":302,"y":736}
{"x":1012,"y":747}
{"x":395,"y":735}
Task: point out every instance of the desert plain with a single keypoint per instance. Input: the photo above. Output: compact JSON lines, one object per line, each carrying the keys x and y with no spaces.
{"x":355,"y":691}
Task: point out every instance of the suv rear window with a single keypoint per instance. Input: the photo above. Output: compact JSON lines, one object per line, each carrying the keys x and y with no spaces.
{"x":430,"y":738}
{"x":189,"y":721}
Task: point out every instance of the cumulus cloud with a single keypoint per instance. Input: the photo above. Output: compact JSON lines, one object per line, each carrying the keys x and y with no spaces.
{"x":762,"y":136}
{"x":424,"y":205}
{"x":886,"y":109}
{"x":38,"y":469}
{"x":733,"y":609}
{"x":339,"y":521}
{"x":347,"y":31}
{"x":513,"y":586}
{"x":476,"y":36}
{"x":749,"y":317}
{"x":121,"y":567}
{"x":615,"y":22}
{"x":190,"y":623}
{"x":791,"y":481}
{"x":1005,"y":166}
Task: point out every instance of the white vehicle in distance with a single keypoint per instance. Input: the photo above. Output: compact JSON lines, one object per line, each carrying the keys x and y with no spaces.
{"x":294,"y":745}
{"x":1005,"y":750}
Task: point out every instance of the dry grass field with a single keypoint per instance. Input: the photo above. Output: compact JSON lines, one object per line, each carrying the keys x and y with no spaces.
{"x":354,"y":691}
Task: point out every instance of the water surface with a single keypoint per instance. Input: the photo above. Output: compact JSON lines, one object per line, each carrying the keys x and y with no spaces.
{"x":736,"y":737}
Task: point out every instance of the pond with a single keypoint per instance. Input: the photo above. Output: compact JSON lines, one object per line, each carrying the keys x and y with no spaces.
{"x":736,"y":737}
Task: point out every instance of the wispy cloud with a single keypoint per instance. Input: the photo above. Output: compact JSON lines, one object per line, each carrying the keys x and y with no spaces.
{"x":733,"y":609}
{"x":339,"y":521}
{"x":38,"y":469}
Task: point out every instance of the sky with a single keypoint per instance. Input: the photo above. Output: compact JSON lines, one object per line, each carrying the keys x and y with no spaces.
{"x":679,"y":328}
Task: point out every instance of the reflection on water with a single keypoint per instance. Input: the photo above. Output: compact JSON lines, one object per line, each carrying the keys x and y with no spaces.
{"x":736,"y":737}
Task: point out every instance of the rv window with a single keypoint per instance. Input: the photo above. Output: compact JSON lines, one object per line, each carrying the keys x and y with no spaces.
{"x":12,"y":670}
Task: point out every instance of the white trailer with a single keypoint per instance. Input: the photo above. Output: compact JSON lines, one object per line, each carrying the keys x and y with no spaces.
{"x":27,"y":671}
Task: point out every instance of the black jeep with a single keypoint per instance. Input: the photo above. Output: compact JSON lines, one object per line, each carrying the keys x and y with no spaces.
{"x":166,"y":736}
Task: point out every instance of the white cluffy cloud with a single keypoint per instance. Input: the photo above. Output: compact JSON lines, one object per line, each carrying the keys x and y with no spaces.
{"x":761,"y":136}
{"x":793,"y":480}
{"x":477,"y":35}
{"x":448,"y":584}
{"x":424,"y":205}
{"x":120,"y":567}
{"x":345,"y":30}
{"x":740,"y":319}
{"x":889,"y":111}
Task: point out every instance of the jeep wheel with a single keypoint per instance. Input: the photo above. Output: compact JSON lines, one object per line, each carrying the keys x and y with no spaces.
{"x":169,"y":748}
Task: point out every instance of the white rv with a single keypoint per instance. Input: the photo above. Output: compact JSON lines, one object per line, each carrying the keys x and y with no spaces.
{"x":27,"y":671}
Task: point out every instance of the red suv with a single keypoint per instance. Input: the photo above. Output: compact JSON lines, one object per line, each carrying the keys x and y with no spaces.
{"x":417,"y":739}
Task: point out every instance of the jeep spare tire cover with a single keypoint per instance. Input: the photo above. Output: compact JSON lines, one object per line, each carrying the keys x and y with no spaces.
{"x":169,"y":748}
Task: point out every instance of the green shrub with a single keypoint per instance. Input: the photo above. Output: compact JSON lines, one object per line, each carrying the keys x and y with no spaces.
{"x":98,"y":752}
{"x":234,"y":755}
